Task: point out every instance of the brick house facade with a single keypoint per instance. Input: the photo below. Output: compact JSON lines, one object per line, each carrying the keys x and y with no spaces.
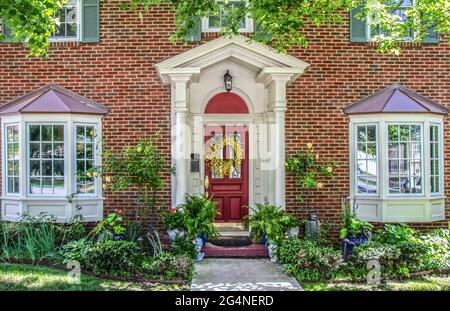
{"x":119,"y":72}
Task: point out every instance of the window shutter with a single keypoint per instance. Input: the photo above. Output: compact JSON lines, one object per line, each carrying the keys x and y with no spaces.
{"x":195,"y":35}
{"x":6,"y":32}
{"x":90,"y":13}
{"x":261,"y":34}
{"x":358,"y":27}
{"x":432,"y":36}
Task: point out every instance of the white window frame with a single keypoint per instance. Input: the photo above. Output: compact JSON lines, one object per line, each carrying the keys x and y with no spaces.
{"x":423,"y":158}
{"x":74,"y":158}
{"x":79,"y":30}
{"x":355,"y":162}
{"x":440,"y":159}
{"x":5,"y":168}
{"x":248,"y":23}
{"x":66,"y":158}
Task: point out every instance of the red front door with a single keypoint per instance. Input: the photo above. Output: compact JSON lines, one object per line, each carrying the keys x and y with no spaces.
{"x":229,"y":187}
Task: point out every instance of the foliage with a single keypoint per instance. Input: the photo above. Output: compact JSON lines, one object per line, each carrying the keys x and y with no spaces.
{"x":183,"y":246}
{"x":134,"y":231}
{"x":393,"y":234}
{"x":114,"y":258}
{"x":169,"y":266}
{"x":352,"y":225}
{"x":199,"y":213}
{"x":284,"y":23}
{"x":402,"y":251}
{"x":30,"y":239}
{"x":32,"y":22}
{"x":75,"y":250}
{"x":174,"y":218}
{"x":437,"y":244}
{"x":111,"y":225}
{"x":307,"y":168}
{"x":155,"y":243}
{"x":139,"y":166}
{"x":271,"y":221}
{"x":307,"y":260}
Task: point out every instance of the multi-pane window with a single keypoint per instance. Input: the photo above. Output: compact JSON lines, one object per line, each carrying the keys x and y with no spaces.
{"x":46,"y":159}
{"x":12,"y":158}
{"x":366,"y":159}
{"x":400,"y":11}
{"x":85,"y":150}
{"x":68,"y":21}
{"x":434,"y":158}
{"x":218,"y":21}
{"x":405,"y":158}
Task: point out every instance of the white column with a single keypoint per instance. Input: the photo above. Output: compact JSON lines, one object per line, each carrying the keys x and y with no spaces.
{"x":279,"y":147}
{"x":180,"y":155}
{"x":180,"y":135}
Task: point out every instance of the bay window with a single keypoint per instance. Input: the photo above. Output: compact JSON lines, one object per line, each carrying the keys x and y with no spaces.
{"x":49,"y":156}
{"x":396,"y":156}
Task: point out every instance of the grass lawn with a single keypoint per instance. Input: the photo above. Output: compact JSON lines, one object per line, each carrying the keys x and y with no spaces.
{"x":15,"y":277}
{"x":428,"y":283}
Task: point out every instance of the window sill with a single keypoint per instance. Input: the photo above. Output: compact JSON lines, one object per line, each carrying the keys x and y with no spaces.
{"x":13,"y":207}
{"x":400,"y":209}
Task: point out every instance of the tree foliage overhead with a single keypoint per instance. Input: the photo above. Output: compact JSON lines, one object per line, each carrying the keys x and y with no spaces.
{"x":281,"y":23}
{"x":32,"y":22}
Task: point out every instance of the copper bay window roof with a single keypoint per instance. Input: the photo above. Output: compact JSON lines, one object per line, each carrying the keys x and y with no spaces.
{"x":395,"y":99}
{"x":53,"y":98}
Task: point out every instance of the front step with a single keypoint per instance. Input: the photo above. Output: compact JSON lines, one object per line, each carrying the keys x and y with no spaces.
{"x":249,"y":251}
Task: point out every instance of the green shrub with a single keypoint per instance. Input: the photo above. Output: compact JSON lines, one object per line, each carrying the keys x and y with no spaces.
{"x":75,"y":250}
{"x":30,"y":239}
{"x":307,"y":260}
{"x":387,"y":255}
{"x":169,"y":266}
{"x":183,"y":246}
{"x":114,"y":258}
{"x":437,"y":244}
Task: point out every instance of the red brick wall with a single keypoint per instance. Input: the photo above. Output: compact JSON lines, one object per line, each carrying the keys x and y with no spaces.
{"x":119,"y":72}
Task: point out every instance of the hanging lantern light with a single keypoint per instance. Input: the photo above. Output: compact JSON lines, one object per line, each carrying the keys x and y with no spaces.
{"x":228,"y":80}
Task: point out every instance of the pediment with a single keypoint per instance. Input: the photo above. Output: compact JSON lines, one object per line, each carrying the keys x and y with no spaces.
{"x":251,"y":55}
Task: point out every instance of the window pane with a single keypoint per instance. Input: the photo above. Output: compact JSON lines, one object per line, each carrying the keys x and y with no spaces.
{"x":405,"y":158}
{"x":12,"y":158}
{"x":46,"y":159}
{"x":46,"y":132}
{"x":85,"y":157}
{"x":366,"y":159}
{"x":35,"y":133}
{"x":434,"y":158}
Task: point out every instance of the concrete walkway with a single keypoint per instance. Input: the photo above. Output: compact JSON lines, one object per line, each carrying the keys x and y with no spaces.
{"x":226,"y":274}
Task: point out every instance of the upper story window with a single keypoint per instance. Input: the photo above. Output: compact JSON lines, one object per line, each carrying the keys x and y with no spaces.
{"x":215,"y":23}
{"x":69,"y":18}
{"x":400,"y":13}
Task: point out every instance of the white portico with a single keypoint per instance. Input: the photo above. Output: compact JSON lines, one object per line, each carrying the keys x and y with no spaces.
{"x":260,"y":76}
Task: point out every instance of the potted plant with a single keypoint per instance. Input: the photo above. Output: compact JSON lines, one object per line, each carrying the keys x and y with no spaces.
{"x":199,"y":213}
{"x":269,"y":224}
{"x":174,"y":222}
{"x":354,"y":231}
